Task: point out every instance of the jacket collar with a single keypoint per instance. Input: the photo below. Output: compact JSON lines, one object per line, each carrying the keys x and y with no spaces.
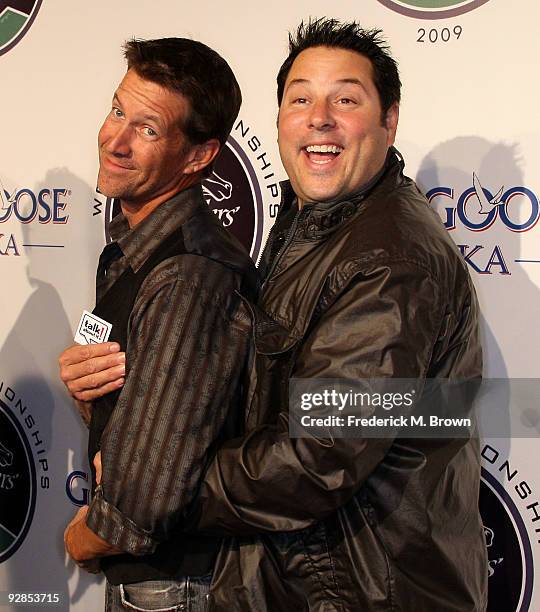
{"x":323,"y":217}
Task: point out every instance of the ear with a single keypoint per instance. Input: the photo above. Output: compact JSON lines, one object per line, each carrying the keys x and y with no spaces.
{"x":391,"y":122}
{"x":201,"y":156}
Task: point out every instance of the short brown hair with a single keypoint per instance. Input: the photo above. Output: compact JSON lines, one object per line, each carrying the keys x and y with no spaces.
{"x":199,"y":73}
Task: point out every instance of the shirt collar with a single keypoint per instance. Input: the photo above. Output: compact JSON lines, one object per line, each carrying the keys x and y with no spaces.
{"x":139,"y":242}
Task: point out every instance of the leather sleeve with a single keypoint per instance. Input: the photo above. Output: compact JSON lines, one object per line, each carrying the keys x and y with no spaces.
{"x":384,"y":323}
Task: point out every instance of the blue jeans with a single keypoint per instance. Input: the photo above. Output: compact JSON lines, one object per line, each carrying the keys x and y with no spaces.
{"x":189,"y":594}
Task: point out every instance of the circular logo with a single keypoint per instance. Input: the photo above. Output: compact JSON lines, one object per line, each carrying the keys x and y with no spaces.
{"x":16,"y":17}
{"x":432,"y":9}
{"x":234,"y":195}
{"x":510,"y":560}
{"x":17,"y":484}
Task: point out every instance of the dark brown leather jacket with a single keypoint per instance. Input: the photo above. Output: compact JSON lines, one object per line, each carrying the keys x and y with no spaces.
{"x":369,"y":287}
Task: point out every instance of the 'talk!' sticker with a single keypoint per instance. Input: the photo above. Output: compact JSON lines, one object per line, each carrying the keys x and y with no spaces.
{"x":92,"y":329}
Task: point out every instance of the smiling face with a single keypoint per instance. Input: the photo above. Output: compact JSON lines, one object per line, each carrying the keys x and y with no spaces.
{"x":331,"y":137}
{"x":144,"y":157}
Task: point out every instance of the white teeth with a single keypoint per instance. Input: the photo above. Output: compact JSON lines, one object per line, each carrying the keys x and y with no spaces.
{"x":324,"y":149}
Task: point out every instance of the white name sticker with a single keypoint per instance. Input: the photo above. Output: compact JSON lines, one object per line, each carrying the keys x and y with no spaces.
{"x":92,"y":329}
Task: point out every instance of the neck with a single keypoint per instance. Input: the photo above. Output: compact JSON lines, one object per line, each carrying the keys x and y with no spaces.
{"x":135,"y":212}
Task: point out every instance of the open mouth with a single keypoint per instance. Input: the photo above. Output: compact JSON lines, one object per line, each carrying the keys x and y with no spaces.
{"x":322,"y":154}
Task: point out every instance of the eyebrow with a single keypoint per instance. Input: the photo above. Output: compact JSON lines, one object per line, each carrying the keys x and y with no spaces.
{"x":155,"y":118}
{"x":350,"y":80}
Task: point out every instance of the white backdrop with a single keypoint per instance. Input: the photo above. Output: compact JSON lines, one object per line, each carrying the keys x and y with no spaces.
{"x":470,"y":92}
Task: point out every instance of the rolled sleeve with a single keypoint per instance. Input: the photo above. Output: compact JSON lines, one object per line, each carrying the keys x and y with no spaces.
{"x":106,"y":520}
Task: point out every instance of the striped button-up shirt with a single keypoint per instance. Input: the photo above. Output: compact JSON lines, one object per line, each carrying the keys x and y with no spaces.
{"x":188,"y":336}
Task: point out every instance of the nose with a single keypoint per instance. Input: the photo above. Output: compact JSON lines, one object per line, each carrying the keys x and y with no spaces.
{"x":116,"y":139}
{"x":321,"y":116}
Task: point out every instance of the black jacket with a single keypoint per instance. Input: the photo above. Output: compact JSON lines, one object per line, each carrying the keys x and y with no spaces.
{"x":365,"y":288}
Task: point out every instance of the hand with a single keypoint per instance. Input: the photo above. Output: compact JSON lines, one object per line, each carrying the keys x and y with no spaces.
{"x":97,"y":466}
{"x":89,"y":565}
{"x":92,"y":371}
{"x":84,"y":546}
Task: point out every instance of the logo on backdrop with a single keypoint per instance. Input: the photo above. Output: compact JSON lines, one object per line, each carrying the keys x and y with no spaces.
{"x":24,"y":469}
{"x":77,"y":493}
{"x":30,"y":208}
{"x":432,"y":9}
{"x":17,"y":483}
{"x":513,"y":209}
{"x":233,"y":191}
{"x":509,"y":513}
{"x":234,"y":195}
{"x":16,"y":17}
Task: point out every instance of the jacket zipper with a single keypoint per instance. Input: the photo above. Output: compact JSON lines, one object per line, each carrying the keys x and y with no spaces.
{"x":284,"y":246}
{"x":266,"y":242}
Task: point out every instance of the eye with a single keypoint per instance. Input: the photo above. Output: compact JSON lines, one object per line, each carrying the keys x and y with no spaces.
{"x":116,"y":112}
{"x":299,"y":100}
{"x":346,"y":101}
{"x":148,"y":131}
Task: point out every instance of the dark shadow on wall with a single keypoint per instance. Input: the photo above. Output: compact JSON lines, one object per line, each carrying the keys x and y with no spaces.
{"x":452,"y":164}
{"x":511,"y":300}
{"x":41,"y":331}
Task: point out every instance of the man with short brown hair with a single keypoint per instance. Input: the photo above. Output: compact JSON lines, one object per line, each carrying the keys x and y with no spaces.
{"x":171,"y":284}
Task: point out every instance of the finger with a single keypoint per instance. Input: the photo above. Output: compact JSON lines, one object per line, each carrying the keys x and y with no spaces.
{"x":97,"y":380}
{"x":97,"y":466}
{"x":90,"y":366}
{"x":90,"y":395}
{"x":79,"y":516}
{"x":70,"y":525}
{"x":94,"y":372}
{"x":77,"y":352}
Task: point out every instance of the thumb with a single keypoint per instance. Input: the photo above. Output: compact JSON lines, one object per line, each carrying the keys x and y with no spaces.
{"x":97,"y":466}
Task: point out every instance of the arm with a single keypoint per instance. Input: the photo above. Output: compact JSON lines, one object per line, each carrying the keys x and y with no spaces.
{"x":186,"y":347}
{"x":89,"y":372}
{"x":267,"y":481}
{"x":81,"y":543}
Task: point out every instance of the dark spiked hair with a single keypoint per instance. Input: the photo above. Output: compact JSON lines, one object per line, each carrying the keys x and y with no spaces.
{"x":351,"y":36}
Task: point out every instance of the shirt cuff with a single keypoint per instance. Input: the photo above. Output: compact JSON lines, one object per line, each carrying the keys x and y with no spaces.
{"x":109,"y":523}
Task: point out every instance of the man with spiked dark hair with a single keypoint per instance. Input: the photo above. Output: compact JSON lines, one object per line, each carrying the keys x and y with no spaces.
{"x":360,"y":281}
